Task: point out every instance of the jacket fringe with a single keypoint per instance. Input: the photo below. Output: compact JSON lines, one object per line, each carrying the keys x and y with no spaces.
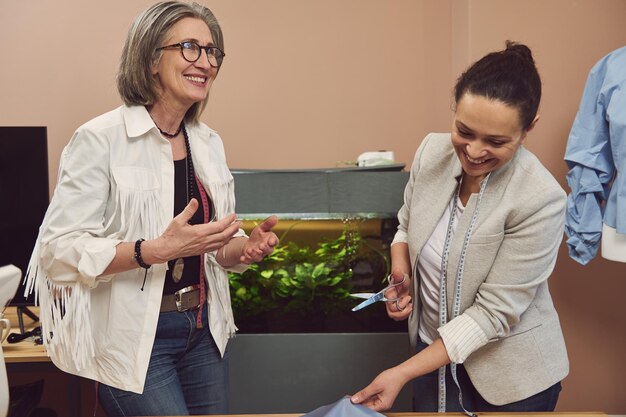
{"x":65,"y":308}
{"x":218,"y":284}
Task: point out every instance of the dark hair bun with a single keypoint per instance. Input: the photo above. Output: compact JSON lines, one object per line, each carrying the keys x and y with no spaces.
{"x":509,"y":76}
{"x":522,"y":50}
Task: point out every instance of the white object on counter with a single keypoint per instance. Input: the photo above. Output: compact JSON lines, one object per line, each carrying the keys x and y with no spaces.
{"x":368,"y":159}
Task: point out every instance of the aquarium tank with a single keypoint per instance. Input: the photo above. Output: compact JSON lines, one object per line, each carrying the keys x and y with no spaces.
{"x":335,"y":228}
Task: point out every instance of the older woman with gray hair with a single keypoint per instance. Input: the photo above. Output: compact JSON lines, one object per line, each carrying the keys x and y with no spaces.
{"x":130,"y":263}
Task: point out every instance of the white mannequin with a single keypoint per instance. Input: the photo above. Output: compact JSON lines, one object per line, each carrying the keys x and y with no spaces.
{"x":9,"y":281}
{"x":613,"y":244}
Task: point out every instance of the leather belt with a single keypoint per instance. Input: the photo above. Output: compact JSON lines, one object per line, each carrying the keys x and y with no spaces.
{"x":185,"y":299}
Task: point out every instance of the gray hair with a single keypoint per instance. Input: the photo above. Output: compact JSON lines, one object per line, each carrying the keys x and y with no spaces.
{"x":149,"y":31}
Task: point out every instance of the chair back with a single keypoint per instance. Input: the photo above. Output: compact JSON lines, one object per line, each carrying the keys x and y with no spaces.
{"x":9,"y":281}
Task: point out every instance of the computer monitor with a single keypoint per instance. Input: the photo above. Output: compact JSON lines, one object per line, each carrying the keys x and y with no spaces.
{"x":24,"y":196}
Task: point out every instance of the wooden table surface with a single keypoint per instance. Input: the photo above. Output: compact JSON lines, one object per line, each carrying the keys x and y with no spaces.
{"x":25,"y":351}
{"x":557,"y":414}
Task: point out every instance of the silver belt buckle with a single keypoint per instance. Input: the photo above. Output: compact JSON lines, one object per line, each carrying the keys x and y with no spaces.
{"x":178,"y":296}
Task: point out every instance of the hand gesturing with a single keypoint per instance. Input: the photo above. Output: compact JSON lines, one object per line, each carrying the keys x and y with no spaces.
{"x":261,"y":242}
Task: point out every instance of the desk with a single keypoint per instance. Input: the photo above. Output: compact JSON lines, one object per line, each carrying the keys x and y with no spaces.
{"x":25,"y":351}
{"x":25,"y":356}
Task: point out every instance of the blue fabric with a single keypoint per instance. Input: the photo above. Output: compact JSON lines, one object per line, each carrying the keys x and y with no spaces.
{"x":426,"y":394}
{"x":343,"y":408}
{"x":186,"y":374}
{"x":596,"y":157}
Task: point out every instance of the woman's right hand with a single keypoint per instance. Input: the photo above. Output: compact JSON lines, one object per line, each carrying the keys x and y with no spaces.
{"x":401,"y":309}
{"x":182,"y":239}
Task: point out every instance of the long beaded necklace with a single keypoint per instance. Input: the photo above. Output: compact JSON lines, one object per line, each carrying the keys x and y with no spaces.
{"x":179,"y":264}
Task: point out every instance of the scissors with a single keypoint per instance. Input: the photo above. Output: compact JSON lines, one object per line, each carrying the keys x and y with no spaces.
{"x":371,"y":298}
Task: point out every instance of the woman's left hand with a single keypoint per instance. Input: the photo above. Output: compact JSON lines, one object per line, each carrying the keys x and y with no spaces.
{"x":261,"y":242}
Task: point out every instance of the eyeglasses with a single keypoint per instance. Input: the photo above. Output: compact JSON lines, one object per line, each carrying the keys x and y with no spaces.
{"x":192,"y":51}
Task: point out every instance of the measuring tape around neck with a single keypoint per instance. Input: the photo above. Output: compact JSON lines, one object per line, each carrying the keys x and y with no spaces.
{"x":456,"y":306}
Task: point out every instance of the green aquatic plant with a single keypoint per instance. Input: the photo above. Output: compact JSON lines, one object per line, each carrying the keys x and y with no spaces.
{"x":300,"y":279}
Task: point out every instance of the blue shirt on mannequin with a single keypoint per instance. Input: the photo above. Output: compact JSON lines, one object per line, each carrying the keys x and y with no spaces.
{"x":596,"y":157}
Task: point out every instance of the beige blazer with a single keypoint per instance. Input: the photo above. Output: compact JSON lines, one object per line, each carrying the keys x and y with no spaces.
{"x":510,"y":256}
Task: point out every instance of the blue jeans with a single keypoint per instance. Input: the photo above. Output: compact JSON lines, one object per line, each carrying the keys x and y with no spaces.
{"x":426,"y":390}
{"x":186,"y":374}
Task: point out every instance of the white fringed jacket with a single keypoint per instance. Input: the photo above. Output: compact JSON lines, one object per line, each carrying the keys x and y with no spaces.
{"x":116,"y":183}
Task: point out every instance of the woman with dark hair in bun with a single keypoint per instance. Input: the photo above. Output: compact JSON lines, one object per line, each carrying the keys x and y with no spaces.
{"x":479,"y":234}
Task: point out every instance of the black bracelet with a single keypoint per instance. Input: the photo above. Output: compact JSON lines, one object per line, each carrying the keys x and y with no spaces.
{"x":137,"y":256}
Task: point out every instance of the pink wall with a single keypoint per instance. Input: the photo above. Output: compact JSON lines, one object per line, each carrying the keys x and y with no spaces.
{"x":314,"y":83}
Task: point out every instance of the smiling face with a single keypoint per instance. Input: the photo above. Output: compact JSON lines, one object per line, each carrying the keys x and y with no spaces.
{"x":486,"y":134}
{"x":180,"y":83}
